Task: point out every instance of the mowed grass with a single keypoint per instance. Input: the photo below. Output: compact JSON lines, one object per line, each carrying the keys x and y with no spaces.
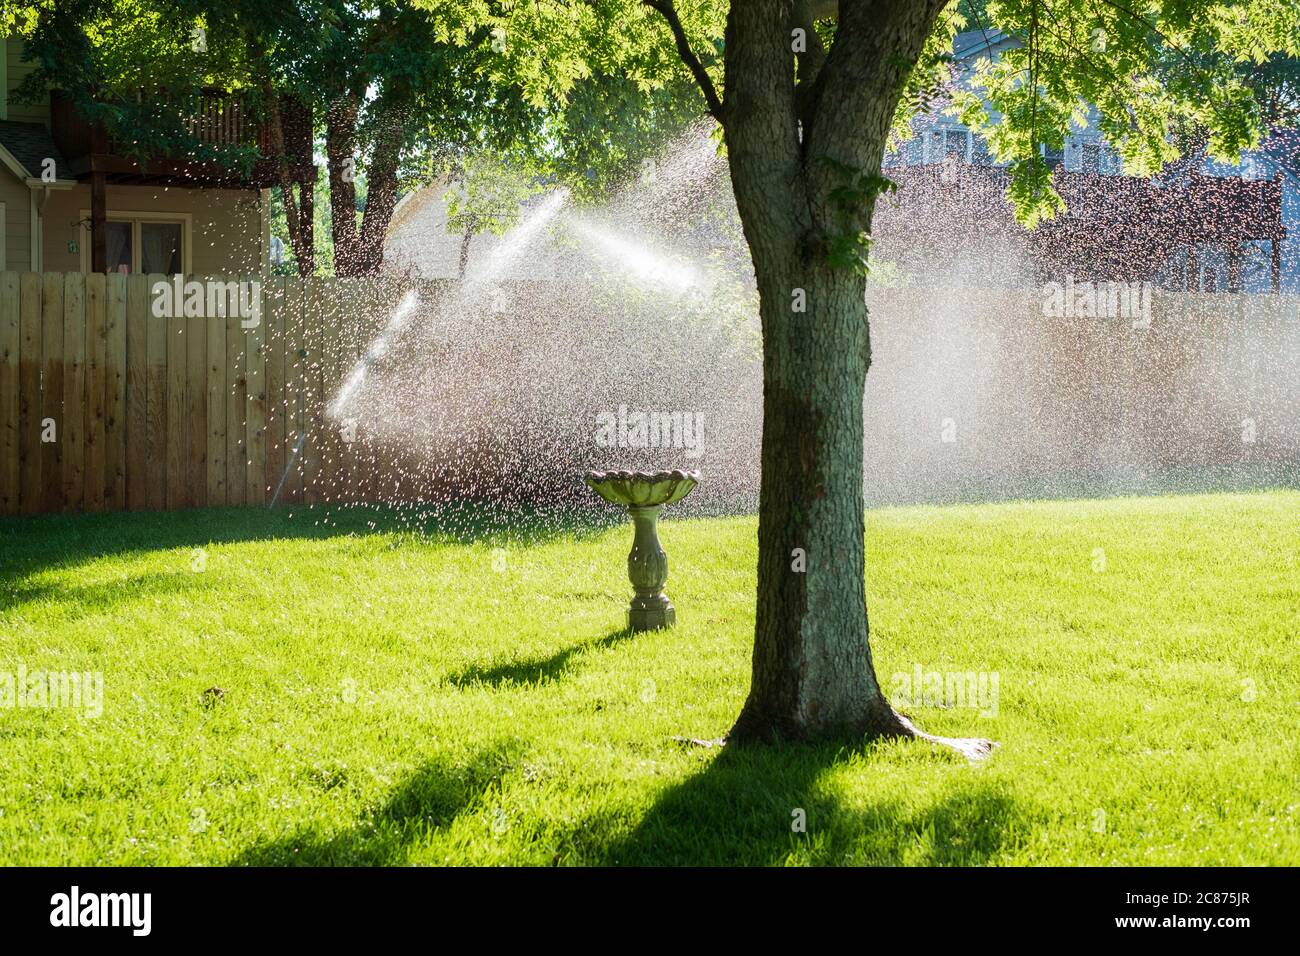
{"x":467,"y":696}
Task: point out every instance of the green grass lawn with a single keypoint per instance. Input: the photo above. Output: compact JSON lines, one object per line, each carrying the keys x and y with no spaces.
{"x":393,"y":697}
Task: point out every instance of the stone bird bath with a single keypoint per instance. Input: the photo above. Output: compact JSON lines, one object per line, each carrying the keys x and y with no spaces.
{"x":644,"y":494}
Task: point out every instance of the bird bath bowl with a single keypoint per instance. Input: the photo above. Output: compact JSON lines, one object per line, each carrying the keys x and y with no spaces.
{"x":644,"y":494}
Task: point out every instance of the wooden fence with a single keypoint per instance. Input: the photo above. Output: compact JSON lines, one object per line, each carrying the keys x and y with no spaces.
{"x":1211,"y":383}
{"x":106,"y":405}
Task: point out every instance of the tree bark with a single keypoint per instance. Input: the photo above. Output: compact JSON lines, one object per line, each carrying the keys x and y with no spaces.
{"x":813,"y":676}
{"x":340,"y":152}
{"x":381,"y":190}
{"x":812,"y":669}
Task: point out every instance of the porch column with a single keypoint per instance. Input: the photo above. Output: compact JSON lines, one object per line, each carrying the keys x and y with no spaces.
{"x":98,"y":219}
{"x":1277,"y":263}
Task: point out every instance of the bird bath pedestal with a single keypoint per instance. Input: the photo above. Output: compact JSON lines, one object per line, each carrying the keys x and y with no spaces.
{"x":644,"y":494}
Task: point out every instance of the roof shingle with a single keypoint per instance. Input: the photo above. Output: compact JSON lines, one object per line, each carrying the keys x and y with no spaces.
{"x":31,"y":144}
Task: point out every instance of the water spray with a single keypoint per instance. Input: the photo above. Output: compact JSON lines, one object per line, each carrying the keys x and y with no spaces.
{"x":636,"y":259}
{"x":378,"y":348}
{"x":293,"y":458}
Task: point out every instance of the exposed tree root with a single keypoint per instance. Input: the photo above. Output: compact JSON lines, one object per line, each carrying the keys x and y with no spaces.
{"x":882,"y":723}
{"x":973,"y":749}
{"x":889,"y":723}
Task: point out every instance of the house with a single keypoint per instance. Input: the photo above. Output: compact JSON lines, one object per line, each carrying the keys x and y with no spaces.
{"x":1201,"y":226}
{"x":70,"y":201}
{"x":418,"y":242}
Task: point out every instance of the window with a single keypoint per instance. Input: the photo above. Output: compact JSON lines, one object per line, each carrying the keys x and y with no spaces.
{"x":142,"y":242}
{"x":1098,"y":159}
{"x":160,"y":247}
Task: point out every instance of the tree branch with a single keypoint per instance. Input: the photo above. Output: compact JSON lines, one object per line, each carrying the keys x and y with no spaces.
{"x":1151,"y":27}
{"x":876,"y":45}
{"x":666,"y":10}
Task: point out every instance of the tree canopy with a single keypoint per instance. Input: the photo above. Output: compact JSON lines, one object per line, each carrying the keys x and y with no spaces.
{"x":1226,"y":67}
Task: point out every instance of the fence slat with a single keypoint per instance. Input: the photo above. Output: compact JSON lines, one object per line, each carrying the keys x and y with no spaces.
{"x":216,"y":412}
{"x":73,"y":437}
{"x":356,"y":335}
{"x":378,"y":306}
{"x":137,"y":392}
{"x":388,"y":295}
{"x":31,"y":492}
{"x":177,"y":491}
{"x":313,"y":370}
{"x":155,"y":402}
{"x":115,"y":365}
{"x":96,"y":378}
{"x":332,"y":444}
{"x":255,"y":372}
{"x":295,"y":376}
{"x":52,"y":390}
{"x":236,"y":417}
{"x":196,"y":420}
{"x":10,"y":338}
{"x":276,"y":404}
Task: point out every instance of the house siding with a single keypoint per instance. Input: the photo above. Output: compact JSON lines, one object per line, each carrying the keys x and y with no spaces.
{"x":419,"y":242}
{"x":226,"y":223}
{"x":16,"y":71}
{"x":18,"y":244}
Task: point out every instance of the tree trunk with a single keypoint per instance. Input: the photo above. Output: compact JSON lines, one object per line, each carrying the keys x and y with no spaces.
{"x":381,"y":191}
{"x":812,"y":670}
{"x":813,"y":676}
{"x":340,"y":152}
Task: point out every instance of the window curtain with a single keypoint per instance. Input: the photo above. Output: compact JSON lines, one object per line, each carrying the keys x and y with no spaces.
{"x":160,"y":248}
{"x":117,"y":236}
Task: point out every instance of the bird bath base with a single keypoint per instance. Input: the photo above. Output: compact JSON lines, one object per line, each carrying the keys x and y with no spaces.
{"x":644,"y":494}
{"x":647,"y":568}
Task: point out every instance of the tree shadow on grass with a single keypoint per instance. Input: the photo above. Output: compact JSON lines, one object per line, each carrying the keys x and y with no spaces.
{"x":32,"y":544}
{"x":743,"y":807}
{"x":535,"y":670}
{"x":94,"y":597}
{"x":430,"y":799}
{"x":738,"y":810}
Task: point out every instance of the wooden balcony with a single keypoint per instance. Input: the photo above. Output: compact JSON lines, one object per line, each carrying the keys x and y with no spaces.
{"x":214,"y":117}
